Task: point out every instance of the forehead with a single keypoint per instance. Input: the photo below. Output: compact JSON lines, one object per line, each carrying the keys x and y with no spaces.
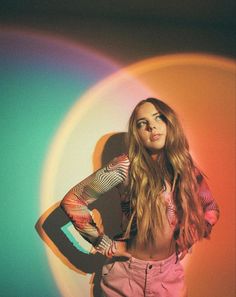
{"x":145,"y":110}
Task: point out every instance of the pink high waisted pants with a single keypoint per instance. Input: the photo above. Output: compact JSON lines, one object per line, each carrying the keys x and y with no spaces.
{"x":140,"y":278}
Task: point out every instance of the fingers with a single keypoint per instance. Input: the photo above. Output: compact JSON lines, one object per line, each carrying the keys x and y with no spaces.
{"x":118,"y":249}
{"x":121,"y":250}
{"x":183,"y":254}
{"x":125,"y":254}
{"x":119,"y":254}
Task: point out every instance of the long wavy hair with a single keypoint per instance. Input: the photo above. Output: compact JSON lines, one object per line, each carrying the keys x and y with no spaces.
{"x":148,"y":179}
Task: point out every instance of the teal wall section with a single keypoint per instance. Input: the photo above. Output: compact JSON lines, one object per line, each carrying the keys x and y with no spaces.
{"x":40,"y":79}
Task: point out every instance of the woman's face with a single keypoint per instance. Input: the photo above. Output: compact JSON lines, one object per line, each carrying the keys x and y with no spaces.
{"x":151,"y":128}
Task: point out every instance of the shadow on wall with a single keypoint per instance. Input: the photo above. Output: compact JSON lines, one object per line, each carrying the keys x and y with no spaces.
{"x":50,"y":223}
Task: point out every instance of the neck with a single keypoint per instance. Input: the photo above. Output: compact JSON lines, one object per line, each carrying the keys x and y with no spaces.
{"x":154,"y":157}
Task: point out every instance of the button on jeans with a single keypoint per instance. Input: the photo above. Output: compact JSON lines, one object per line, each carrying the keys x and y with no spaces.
{"x":140,"y":278}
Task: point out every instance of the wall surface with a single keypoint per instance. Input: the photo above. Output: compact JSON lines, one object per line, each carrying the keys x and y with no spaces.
{"x":70,"y":74}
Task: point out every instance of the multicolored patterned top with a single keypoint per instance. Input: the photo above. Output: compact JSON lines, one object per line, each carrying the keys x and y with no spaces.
{"x":115,"y":174}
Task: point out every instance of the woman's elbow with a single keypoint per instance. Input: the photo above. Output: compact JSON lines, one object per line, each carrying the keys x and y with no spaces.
{"x":67,"y":201}
{"x":212,"y":216}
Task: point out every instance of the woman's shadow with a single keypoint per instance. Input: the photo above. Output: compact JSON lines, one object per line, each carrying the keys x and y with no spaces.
{"x":108,"y":206}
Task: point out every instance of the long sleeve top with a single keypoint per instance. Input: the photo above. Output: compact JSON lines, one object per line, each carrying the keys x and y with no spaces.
{"x":115,"y":174}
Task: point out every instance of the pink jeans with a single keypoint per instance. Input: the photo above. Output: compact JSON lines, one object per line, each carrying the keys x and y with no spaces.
{"x":138,"y":278}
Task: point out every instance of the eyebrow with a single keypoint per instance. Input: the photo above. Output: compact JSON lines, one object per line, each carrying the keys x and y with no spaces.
{"x":154,"y":114}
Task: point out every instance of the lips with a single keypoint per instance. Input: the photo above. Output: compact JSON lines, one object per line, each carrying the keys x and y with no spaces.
{"x":155,"y":137}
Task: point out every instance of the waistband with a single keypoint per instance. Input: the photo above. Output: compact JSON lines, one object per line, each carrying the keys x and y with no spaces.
{"x":143,"y":264}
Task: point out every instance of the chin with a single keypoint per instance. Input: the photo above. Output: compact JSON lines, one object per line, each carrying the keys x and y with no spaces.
{"x":156,"y":149}
{"x":153,"y":151}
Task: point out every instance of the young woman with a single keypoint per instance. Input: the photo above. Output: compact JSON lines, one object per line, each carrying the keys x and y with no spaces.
{"x":166,"y":205}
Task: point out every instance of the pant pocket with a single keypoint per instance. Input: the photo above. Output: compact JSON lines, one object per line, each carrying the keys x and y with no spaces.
{"x":107,"y":268}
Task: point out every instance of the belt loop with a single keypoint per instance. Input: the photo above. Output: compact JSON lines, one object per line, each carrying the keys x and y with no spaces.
{"x":161,"y":264}
{"x":130,"y":262}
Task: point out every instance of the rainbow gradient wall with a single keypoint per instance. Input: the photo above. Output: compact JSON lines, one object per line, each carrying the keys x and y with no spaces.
{"x":60,"y":103}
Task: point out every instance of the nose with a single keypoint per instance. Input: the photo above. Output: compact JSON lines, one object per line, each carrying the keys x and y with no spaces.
{"x":151,"y":127}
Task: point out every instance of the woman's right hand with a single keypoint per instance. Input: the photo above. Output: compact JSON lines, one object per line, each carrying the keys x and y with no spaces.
{"x":119,"y":249}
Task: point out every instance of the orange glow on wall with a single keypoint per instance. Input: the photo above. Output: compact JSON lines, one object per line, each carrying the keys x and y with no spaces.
{"x":201,"y":88}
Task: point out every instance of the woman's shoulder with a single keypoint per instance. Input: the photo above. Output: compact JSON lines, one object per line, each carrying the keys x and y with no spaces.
{"x":121,"y":158}
{"x":120,"y":161}
{"x":119,"y":167}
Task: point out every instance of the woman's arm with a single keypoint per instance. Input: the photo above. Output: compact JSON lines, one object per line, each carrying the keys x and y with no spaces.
{"x":76,"y":201}
{"x":210,"y":207}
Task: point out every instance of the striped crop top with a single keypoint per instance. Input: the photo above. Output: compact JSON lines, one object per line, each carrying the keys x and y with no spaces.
{"x":115,"y":174}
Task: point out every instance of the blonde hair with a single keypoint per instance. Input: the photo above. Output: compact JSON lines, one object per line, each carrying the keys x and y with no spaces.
{"x":148,"y":177}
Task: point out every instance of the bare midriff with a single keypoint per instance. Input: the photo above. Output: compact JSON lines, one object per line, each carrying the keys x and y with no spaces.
{"x":164,"y":245}
{"x":163,"y":248}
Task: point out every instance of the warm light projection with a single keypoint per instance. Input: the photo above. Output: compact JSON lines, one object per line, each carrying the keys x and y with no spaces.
{"x":201,"y":89}
{"x":102,"y":111}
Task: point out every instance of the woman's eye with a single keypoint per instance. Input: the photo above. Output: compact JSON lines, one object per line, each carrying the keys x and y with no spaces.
{"x":158,"y":118}
{"x":141,"y":124}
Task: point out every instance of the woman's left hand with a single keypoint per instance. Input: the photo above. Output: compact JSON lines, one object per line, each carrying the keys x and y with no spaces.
{"x":183,"y":253}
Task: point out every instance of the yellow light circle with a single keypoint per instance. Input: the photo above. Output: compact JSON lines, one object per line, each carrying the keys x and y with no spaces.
{"x":201,"y":88}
